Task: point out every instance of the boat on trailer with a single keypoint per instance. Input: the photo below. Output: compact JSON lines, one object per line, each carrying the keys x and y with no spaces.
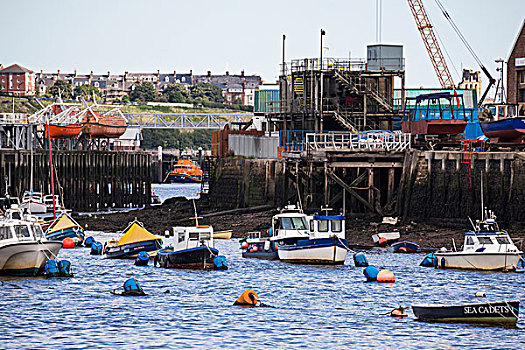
{"x":317,"y":239}
{"x":486,"y":247}
{"x":502,"y":312}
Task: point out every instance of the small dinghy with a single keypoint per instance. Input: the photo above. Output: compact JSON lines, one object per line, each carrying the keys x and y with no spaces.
{"x":227,"y":234}
{"x":387,"y":237}
{"x":134,"y":240}
{"x":258,"y":247}
{"x":405,"y":247}
{"x":503,"y":312}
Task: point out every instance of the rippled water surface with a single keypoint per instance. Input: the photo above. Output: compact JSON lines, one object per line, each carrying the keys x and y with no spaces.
{"x":165,"y":191}
{"x":315,"y":307}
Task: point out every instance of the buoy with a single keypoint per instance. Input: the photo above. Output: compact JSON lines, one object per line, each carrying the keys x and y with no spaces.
{"x":382,"y":242}
{"x":481,"y":294}
{"x":255,"y":248}
{"x":57,"y":268}
{"x":248,"y":297}
{"x":428,"y":261}
{"x":360,"y":260}
{"x":371,"y":273}
{"x":399,"y":312}
{"x":220,"y":262}
{"x":64,"y":268}
{"x":142,"y":259}
{"x":251,"y":250}
{"x":68,"y":243}
{"x":131,"y":288}
{"x":96,"y":248}
{"x":51,"y":268}
{"x":385,"y":276}
{"x":244,"y":245}
{"x":443,"y":263}
{"x":89,"y":241}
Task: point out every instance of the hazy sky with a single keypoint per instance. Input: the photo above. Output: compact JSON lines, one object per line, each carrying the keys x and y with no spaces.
{"x":234,"y":35}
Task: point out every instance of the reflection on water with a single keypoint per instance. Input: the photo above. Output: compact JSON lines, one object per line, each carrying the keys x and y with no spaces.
{"x":165,"y":191}
{"x":316,"y":307}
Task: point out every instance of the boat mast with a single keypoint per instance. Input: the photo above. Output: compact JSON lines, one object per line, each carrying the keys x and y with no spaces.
{"x":51,"y":168}
{"x":482,"y":205}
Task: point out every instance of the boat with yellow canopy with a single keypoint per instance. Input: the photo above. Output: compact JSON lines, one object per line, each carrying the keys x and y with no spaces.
{"x":63,"y":227}
{"x":135,"y":239}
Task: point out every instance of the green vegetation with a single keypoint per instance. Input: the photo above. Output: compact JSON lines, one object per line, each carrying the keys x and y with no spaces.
{"x":87,"y":91}
{"x":63,"y":87}
{"x":143,"y":92}
{"x":22,"y":105}
{"x":152,"y":138}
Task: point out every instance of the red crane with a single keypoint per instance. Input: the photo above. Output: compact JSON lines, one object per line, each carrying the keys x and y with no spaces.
{"x":431,"y":44}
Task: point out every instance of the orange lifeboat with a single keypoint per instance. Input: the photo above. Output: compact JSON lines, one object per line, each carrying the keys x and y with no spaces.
{"x":68,"y":131}
{"x":104,"y":126}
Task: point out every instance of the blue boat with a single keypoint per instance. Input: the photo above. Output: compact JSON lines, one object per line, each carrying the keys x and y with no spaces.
{"x":65,"y":227}
{"x":135,"y":239}
{"x":510,"y":130}
{"x":259,"y":247}
{"x":405,"y":247}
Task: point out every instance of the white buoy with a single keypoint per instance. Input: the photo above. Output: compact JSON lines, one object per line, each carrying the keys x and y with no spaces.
{"x":417,"y":290}
{"x":481,"y":294}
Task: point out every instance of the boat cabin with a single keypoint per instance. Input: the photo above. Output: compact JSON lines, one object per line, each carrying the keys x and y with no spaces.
{"x":291,"y":222}
{"x":15,"y":227}
{"x":191,"y":237}
{"x":326,"y":226}
{"x":488,"y":238}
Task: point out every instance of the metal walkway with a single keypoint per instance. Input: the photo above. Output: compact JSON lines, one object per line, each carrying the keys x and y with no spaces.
{"x":185,"y":120}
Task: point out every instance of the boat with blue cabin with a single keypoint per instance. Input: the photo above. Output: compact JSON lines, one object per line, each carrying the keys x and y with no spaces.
{"x":135,"y":239}
{"x":317,"y":239}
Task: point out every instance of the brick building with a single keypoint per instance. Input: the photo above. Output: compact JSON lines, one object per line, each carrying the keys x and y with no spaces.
{"x":516,"y":73}
{"x":17,"y":80}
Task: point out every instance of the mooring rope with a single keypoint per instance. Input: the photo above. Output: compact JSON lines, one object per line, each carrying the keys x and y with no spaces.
{"x":345,"y":246}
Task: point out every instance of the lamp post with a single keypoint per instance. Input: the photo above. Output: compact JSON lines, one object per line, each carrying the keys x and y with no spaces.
{"x":321,"y":58}
{"x":502,"y":93}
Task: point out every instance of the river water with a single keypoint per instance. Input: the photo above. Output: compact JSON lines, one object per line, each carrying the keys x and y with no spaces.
{"x":313,"y":307}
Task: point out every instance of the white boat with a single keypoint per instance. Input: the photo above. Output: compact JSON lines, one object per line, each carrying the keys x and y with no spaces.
{"x":48,"y":201}
{"x":23,"y":249}
{"x":389,"y":236}
{"x":485,"y":248}
{"x":33,"y":202}
{"x":317,"y":239}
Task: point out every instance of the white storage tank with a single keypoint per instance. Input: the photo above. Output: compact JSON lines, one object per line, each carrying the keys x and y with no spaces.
{"x":385,"y":57}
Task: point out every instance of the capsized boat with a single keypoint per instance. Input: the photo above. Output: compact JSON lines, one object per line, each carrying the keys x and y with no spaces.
{"x":185,"y":171}
{"x":255,"y":246}
{"x":135,"y":239}
{"x":65,"y":227}
{"x":317,"y":239}
{"x":502,"y":312}
{"x":405,"y":247}
{"x":23,"y":248}
{"x":486,"y":247}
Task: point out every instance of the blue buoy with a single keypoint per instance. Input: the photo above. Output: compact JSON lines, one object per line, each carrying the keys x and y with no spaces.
{"x":57,"y":268}
{"x":51,"y":268}
{"x":443,"y":263}
{"x":64,"y":268}
{"x":89,"y":241}
{"x":96,"y":248}
{"x":371,"y":273}
{"x":142,"y":259}
{"x":428,"y":261}
{"x":130,"y":288}
{"x":220,"y":262}
{"x":360,"y":260}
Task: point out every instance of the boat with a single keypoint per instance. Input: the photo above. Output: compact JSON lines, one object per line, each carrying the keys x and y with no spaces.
{"x":390,"y":237}
{"x":502,"y":312}
{"x":511,"y":130}
{"x":426,"y":118}
{"x":65,"y":227}
{"x":317,"y":239}
{"x":48,"y":201}
{"x":33,"y":202}
{"x":255,"y":246}
{"x":185,"y":171}
{"x":486,"y":247}
{"x":155,"y":199}
{"x":111,"y":124}
{"x":135,"y":239}
{"x":405,"y":247}
{"x":226,"y":234}
{"x":63,"y":131}
{"x":23,"y":248}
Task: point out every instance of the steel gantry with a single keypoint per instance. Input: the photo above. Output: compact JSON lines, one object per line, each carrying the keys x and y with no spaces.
{"x":185,"y":120}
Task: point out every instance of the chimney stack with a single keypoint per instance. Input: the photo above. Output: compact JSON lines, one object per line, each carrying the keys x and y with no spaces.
{"x":209,"y":73}
{"x":75,"y":73}
{"x":227,"y":73}
{"x":242,"y":73}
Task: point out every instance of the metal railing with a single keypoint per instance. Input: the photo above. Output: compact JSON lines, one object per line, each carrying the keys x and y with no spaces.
{"x":185,"y":120}
{"x":13,"y":118}
{"x":329,"y":63}
{"x":376,"y":141}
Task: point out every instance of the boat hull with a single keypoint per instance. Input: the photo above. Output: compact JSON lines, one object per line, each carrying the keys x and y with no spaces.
{"x":64,"y":131}
{"x":478,"y":261}
{"x":70,"y":232}
{"x":405,"y":247}
{"x":434,"y":126}
{"x":314,"y":251}
{"x":497,"y":313}
{"x":183,"y":178}
{"x":26,"y":258}
{"x":505,"y":130}
{"x":130,"y":251}
{"x":222,"y":234}
{"x":193,"y":258}
{"x":389,"y":236}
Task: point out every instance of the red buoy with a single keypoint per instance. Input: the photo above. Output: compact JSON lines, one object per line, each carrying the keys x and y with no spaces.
{"x":244,"y":245}
{"x":68,"y":243}
{"x":386,"y":276}
{"x":251,"y":250}
{"x":255,"y":248}
{"x":382,"y":242}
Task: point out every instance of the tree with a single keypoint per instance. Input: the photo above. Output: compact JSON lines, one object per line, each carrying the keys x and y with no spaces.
{"x":64,"y":87}
{"x":143,"y":92}
{"x":176,"y":93}
{"x":87,"y":91}
{"x":206,"y":92}
{"x":125,"y":99}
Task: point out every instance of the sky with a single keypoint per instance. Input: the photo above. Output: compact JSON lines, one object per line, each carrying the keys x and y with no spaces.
{"x":233,"y":35}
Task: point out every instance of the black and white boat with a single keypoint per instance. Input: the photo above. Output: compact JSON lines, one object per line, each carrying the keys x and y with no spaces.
{"x":502,"y":312}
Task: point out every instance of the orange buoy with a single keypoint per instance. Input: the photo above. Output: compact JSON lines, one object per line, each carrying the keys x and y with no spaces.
{"x":248,"y":297}
{"x":386,"y":276}
{"x":399,"y":312}
{"x":244,"y":245}
{"x":68,"y":243}
{"x":255,"y":248}
{"x":382,"y":242}
{"x":251,"y":250}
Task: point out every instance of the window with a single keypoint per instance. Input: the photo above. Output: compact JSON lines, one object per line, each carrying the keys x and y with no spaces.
{"x":181,"y":236}
{"x":323,"y":226}
{"x":470,"y":241}
{"x":502,"y":240}
{"x":311,"y":226}
{"x":337,"y":225}
{"x":5,"y":232}
{"x":294,"y":223}
{"x":37,"y":231}
{"x":485,"y":240}
{"x":22,"y":231}
{"x":522,"y":76}
{"x":194,"y":236}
